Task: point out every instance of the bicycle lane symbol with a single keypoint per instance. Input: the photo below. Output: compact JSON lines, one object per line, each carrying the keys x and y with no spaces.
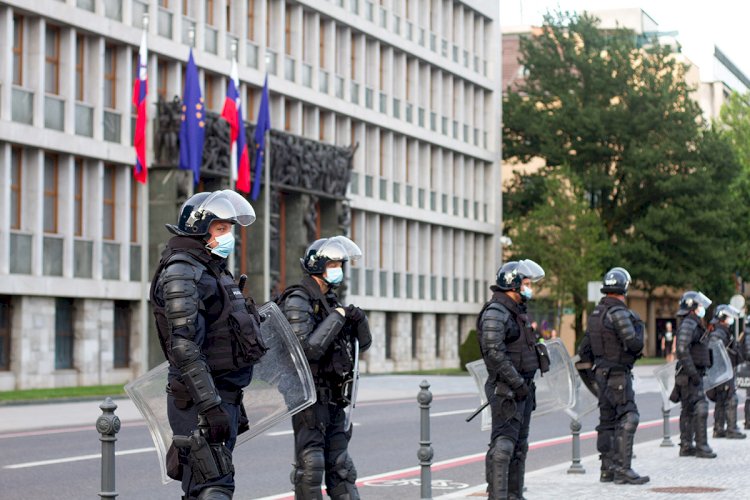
{"x":437,"y":484}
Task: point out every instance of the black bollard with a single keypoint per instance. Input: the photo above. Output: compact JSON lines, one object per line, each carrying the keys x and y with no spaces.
{"x":425,"y":453}
{"x":667,"y":441}
{"x":575,"y":430}
{"x":108,"y":424}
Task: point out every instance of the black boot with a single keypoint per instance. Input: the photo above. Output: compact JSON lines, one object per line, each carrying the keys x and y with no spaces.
{"x":686,"y":436}
{"x":747,"y":410}
{"x":215,"y":493}
{"x":733,"y":432}
{"x":720,"y":418}
{"x":700,"y":426}
{"x":624,"y":474}
{"x":515,"y":479}
{"x":607,"y":473}
{"x":498,"y":461}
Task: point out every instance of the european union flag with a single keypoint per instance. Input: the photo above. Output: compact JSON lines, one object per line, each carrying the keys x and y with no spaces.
{"x":262,"y":126}
{"x":192,"y":129}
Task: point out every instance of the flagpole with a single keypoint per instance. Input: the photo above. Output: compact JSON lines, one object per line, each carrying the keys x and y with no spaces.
{"x":267,"y":225}
{"x":233,"y":154}
{"x":143,"y":312}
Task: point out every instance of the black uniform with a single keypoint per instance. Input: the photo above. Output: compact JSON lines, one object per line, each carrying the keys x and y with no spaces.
{"x":694,"y":358}
{"x":210,"y":336}
{"x":614,"y":339}
{"x":320,"y":439}
{"x":508,"y":347}
{"x":745,"y":350}
{"x":725,"y":395}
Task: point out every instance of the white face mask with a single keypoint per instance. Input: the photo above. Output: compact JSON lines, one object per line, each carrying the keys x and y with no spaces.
{"x":700,"y":311}
{"x":730,"y":321}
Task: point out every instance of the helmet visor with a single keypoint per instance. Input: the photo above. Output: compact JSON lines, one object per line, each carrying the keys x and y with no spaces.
{"x":230,"y":206}
{"x":730,"y":310}
{"x":339,"y":248}
{"x":623,"y":271}
{"x":702,"y":299}
{"x":530,"y":269}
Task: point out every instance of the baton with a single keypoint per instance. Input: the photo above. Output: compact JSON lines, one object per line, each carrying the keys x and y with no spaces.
{"x":243,"y":280}
{"x":478,"y":411}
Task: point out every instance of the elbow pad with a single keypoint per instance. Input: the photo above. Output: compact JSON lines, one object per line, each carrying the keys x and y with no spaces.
{"x":195,"y":373}
{"x":181,"y":299}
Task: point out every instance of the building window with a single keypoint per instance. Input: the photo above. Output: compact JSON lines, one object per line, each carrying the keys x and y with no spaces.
{"x":80,"y":56}
{"x":249,"y":104}
{"x":134,"y":212}
{"x":161,"y":78}
{"x":122,"y":334}
{"x":210,"y":88}
{"x":5,"y":311}
{"x":63,"y":334}
{"x":251,"y":19}
{"x":381,"y":77}
{"x":18,"y":50}
{"x":51,"y":173}
{"x":353,"y":57}
{"x":16,"y":176}
{"x":288,"y":30}
{"x":78,"y":198}
{"x":52,"y":60}
{"x":186,"y":10}
{"x":110,"y":76}
{"x":322,"y":48}
{"x":210,"y":12}
{"x":108,"y":201}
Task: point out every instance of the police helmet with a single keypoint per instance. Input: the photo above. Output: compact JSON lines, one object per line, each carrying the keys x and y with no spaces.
{"x":691,"y":300}
{"x":201,"y":209}
{"x":511,"y":274}
{"x":325,"y":250}
{"x":726,"y":311}
{"x":616,"y":280}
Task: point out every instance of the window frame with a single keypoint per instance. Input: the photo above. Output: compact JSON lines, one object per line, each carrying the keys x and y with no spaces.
{"x":111,"y":202}
{"x":134,"y":207}
{"x":122,"y":328}
{"x":17,"y":188}
{"x":60,"y":333}
{"x":110,"y":79}
{"x":18,"y":23}
{"x":80,"y":59}
{"x":53,"y":194}
{"x":52,"y":60}
{"x":250,"y":20}
{"x":78,"y":194}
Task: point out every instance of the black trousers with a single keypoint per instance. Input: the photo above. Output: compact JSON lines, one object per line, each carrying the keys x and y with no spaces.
{"x":616,"y":399}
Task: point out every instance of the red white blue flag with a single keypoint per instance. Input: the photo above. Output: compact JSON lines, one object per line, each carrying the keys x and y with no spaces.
{"x":232,"y":113}
{"x":140,"y":90}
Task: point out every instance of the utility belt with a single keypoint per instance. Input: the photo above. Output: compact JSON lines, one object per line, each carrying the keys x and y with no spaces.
{"x":606,"y":371}
{"x":329,"y":391}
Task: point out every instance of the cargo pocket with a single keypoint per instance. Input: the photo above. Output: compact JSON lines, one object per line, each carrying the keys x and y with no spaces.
{"x":617,"y":384}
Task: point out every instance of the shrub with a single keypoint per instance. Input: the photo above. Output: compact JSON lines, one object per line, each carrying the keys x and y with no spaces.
{"x":469,"y":350}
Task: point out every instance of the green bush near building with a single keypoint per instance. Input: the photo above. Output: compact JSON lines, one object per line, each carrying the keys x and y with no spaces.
{"x":469,"y":350}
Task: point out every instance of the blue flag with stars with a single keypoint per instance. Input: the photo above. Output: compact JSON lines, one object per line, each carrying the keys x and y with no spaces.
{"x":192,"y":129}
{"x":262,"y":125}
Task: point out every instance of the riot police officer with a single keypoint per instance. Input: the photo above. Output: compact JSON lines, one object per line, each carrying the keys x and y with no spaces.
{"x":328,"y":332}
{"x":693,"y":359}
{"x":745,"y":350}
{"x":725,"y":395}
{"x":512,"y":356}
{"x":211,"y":336}
{"x":614,"y":340}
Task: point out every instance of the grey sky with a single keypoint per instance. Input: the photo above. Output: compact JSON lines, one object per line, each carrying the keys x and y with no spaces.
{"x":701,"y":24}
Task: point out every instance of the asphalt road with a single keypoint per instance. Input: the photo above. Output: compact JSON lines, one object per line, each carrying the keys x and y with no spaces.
{"x":64,"y":462}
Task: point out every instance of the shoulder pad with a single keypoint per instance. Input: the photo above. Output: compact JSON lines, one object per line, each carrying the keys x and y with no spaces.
{"x":181,"y":269}
{"x":497,"y":312}
{"x":186,"y":258}
{"x":297,"y":300}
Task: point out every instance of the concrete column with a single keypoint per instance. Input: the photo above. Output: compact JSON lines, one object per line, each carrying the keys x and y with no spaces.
{"x":33,"y":341}
{"x":6,"y":64}
{"x":87,"y":336}
{"x":68,"y":90}
{"x":5,"y":179}
{"x":375,"y":356}
{"x":95,"y":204}
{"x":426,"y":343}
{"x":32,"y":208}
{"x":449,"y":340}
{"x":466,"y":323}
{"x":66,"y":211}
{"x":35,"y":65}
{"x":401,"y":342}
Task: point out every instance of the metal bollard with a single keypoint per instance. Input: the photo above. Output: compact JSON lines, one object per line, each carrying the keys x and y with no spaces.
{"x":575,"y":430}
{"x":667,"y":441}
{"x":425,"y":453}
{"x":108,"y":424}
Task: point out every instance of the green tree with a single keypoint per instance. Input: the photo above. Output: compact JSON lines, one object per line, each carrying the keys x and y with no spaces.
{"x":567,"y":239}
{"x":617,"y":114}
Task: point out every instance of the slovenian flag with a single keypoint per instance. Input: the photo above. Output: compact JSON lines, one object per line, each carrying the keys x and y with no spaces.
{"x":232,"y":113}
{"x":140,"y":89}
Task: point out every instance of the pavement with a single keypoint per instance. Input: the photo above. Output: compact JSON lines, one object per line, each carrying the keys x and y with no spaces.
{"x":724,"y":477}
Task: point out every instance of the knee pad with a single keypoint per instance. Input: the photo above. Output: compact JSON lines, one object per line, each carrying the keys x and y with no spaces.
{"x":310,"y":467}
{"x":215,"y":493}
{"x":344,"y":467}
{"x":629,"y":422}
{"x":501,"y":449}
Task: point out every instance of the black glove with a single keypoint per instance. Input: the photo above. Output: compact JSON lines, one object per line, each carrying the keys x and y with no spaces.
{"x":216,"y":425}
{"x":521,"y":392}
{"x":695,"y":379}
{"x":354,"y":314}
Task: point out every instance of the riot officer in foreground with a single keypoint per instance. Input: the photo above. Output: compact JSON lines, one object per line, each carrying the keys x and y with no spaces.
{"x":512,"y":357}
{"x":725,"y":395}
{"x":211,"y":336}
{"x":327,"y":331}
{"x":694,"y":359}
{"x":745,"y":350}
{"x":614,"y":339}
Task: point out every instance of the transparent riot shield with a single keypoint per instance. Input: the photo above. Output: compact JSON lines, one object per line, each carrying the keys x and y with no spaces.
{"x":585,"y":401}
{"x":721,"y":370}
{"x":554,"y":390}
{"x":282,"y":385}
{"x":351,"y":387}
{"x":665,"y":377}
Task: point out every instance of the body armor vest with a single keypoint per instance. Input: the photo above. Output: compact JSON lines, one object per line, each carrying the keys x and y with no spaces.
{"x":699,"y":350}
{"x":519,"y":337}
{"x":233,"y":340}
{"x":608,"y":349}
{"x":338,"y":361}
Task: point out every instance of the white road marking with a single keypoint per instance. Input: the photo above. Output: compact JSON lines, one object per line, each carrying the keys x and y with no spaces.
{"x":454,"y":412}
{"x":76,"y":459}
